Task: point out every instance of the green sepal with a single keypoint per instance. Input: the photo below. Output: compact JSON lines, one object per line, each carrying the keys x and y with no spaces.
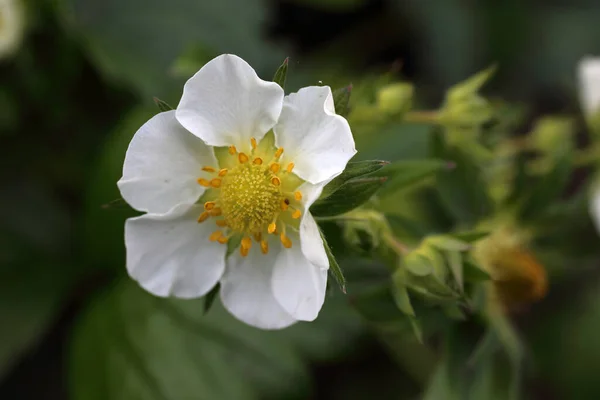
{"x":341,"y":99}
{"x":162,"y":105}
{"x":281,"y":73}
{"x":334,"y":267}
{"x":472,"y":273}
{"x":349,"y":196}
{"x":353,"y":170}
{"x":210,"y":297}
{"x":403,"y":174}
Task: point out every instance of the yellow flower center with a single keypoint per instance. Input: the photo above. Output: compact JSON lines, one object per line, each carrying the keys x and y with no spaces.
{"x":254,"y":197}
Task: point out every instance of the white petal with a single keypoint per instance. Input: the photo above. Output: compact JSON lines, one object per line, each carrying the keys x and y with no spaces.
{"x":162,"y":164}
{"x":314,"y":138}
{"x":311,"y":242}
{"x":589,"y":84}
{"x":226,"y":103}
{"x":298,"y":285}
{"x":170,"y":254}
{"x":246,"y":290}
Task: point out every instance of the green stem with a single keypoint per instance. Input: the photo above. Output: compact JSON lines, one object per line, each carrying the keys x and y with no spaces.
{"x":422,"y":117}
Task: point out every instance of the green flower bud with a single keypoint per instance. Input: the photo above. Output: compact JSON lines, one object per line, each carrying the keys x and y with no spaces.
{"x":395,"y":98}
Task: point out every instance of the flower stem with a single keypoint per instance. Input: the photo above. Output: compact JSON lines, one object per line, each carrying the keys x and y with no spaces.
{"x":422,"y":117}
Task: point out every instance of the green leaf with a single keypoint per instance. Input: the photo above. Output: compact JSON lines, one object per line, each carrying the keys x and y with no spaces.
{"x":281,"y":73}
{"x":341,"y":98}
{"x":456,"y":266}
{"x":334,"y":267}
{"x":403,"y":174}
{"x":142,"y":48}
{"x":472,"y":273}
{"x":162,"y":105}
{"x":349,"y":196}
{"x":463,"y":191}
{"x":445,"y":242}
{"x":400,"y":294}
{"x":547,"y":189}
{"x":132,"y":345}
{"x":470,"y":236}
{"x":354,"y":169}
{"x":210,"y":297}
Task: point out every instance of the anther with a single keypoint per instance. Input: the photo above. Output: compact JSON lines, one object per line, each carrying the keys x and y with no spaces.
{"x":232,"y":150}
{"x":215,"y":212}
{"x":221,"y":222}
{"x":290,"y":167}
{"x":203,"y":217}
{"x":275,"y":181}
{"x":272,"y":227}
{"x":208,"y":169}
{"x":297,"y":196}
{"x":275,"y":167}
{"x":258,"y":236}
{"x":246,"y":242}
{"x":284,"y":205}
{"x":253,"y":142}
{"x":279,"y":152}
{"x":203,"y":182}
{"x":223,"y":239}
{"x":257,"y":161}
{"x":264,"y":246}
{"x":242,"y":158}
{"x":296,"y":214}
{"x":223,"y":172}
{"x":244,"y":251}
{"x":216,"y":183}
{"x":209,"y":205}
{"x":215,"y":236}
{"x":287,"y":243}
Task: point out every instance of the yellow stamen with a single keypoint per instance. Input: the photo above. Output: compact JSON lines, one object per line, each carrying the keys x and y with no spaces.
{"x":232,"y":150}
{"x":203,"y":217}
{"x":264,"y":246}
{"x":290,"y":167}
{"x":258,"y":236}
{"x":216,"y":183}
{"x":257,"y":161}
{"x":223,"y":239}
{"x":204,"y":182}
{"x":223,"y":172}
{"x":215,"y":236}
{"x":275,"y":181}
{"x":242,"y":158}
{"x":221,"y":222}
{"x":275,"y":168}
{"x":287,"y":243}
{"x":272,"y":227}
{"x":297,"y":196}
{"x":296,"y":214}
{"x":215,"y":212}
{"x":244,"y":251}
{"x":209,"y":205}
{"x":279,"y":152}
{"x":253,"y":142}
{"x":208,"y":169}
{"x":246,"y":242}
{"x":284,"y":204}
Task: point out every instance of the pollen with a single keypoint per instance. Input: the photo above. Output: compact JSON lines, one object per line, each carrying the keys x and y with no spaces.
{"x":249,"y":196}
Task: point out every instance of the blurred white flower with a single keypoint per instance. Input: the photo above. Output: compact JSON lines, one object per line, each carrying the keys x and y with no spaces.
{"x":236,"y":158}
{"x":589,"y":84}
{"x":12,"y":26}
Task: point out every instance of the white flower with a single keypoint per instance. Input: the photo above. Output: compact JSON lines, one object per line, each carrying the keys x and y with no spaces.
{"x":236,"y":158}
{"x":589,"y":84}
{"x":12,"y":26}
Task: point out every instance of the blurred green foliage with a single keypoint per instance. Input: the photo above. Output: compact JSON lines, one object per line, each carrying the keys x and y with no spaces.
{"x":82,"y":82}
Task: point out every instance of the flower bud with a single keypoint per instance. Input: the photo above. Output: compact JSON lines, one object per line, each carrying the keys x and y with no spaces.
{"x":395,"y":98}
